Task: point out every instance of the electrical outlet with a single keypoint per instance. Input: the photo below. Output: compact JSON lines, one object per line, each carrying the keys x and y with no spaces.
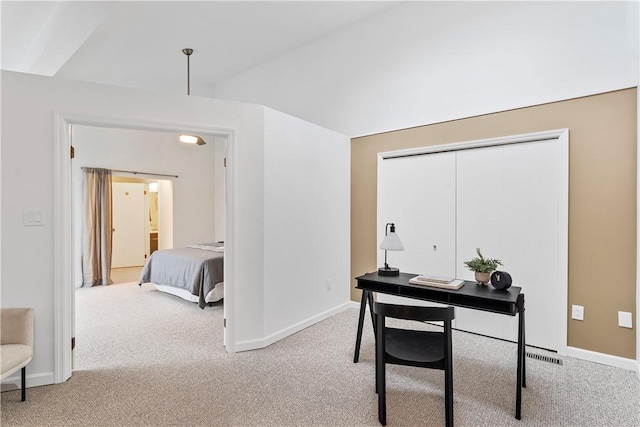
{"x":624,"y":319}
{"x":577,"y":312}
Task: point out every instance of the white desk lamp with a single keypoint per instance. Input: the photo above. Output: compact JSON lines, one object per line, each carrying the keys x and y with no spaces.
{"x":391,"y":242}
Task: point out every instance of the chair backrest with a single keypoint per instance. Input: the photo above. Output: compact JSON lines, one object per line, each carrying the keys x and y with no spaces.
{"x":16,"y":326}
{"x":409,"y":312}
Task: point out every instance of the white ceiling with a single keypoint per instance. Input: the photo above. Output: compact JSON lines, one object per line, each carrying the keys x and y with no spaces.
{"x":139,"y":44}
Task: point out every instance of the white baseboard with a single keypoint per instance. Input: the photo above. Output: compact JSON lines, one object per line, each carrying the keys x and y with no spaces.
{"x":277,"y":336}
{"x":353,"y":304}
{"x":34,"y":380}
{"x":604,"y":359}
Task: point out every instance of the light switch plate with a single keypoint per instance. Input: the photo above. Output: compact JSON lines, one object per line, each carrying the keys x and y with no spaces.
{"x":33,"y":217}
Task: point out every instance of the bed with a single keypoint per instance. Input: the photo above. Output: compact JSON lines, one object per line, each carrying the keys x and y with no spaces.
{"x":194,"y":273}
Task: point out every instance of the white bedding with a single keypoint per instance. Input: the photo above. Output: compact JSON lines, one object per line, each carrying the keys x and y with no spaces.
{"x":216,"y":294}
{"x":208,"y":247}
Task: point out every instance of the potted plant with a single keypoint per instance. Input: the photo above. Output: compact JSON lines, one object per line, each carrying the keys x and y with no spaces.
{"x":483,"y":267}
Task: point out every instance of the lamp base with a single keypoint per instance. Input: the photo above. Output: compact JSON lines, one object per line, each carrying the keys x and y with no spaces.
{"x":388,"y":271}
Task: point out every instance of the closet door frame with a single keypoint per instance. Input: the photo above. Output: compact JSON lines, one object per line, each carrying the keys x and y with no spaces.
{"x":561,"y":136}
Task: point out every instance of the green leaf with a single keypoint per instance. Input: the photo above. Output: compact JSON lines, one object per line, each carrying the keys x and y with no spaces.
{"x":481,"y":264}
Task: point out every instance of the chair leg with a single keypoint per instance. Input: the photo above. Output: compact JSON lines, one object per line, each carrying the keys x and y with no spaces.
{"x":24,"y":383}
{"x":448,"y":395}
{"x":376,"y":372}
{"x":382,"y":396}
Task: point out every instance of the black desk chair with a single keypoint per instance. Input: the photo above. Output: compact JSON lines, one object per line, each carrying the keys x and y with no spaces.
{"x":424,"y":349}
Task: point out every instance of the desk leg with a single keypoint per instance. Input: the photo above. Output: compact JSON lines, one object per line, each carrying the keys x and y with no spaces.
{"x":363,"y":306}
{"x":520,"y":382}
{"x":524,"y":350}
{"x":373,"y":316}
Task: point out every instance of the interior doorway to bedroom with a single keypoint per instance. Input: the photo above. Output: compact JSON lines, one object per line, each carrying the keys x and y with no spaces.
{"x":185,"y":209}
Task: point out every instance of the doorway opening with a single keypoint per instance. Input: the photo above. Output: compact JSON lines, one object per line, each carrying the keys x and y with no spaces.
{"x":136,"y":225}
{"x":66,"y":177}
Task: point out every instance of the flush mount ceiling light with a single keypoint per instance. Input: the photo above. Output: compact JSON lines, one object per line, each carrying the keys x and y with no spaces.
{"x":190,"y":139}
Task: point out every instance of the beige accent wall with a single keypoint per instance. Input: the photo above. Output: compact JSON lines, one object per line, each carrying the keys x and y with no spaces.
{"x":602,"y":202}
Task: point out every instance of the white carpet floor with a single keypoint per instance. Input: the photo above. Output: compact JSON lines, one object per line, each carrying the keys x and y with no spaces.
{"x":147,"y":358}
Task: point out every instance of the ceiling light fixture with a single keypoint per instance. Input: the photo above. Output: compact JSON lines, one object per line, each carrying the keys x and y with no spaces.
{"x":190,"y":139}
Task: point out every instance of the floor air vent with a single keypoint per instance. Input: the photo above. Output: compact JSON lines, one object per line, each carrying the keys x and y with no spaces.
{"x":543,"y":358}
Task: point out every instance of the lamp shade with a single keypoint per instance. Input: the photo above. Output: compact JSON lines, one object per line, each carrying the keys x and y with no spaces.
{"x":392,"y":242}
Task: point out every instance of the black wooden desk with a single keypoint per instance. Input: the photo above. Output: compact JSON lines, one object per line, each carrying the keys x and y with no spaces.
{"x":470,"y":295}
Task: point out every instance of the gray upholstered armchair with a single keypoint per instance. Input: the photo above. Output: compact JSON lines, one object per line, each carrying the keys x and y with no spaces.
{"x":17,"y":342}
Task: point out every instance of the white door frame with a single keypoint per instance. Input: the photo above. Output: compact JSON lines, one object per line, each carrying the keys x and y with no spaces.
{"x":63,"y":292}
{"x":562,"y":137}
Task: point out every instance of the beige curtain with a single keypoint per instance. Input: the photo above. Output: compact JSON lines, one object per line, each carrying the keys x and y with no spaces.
{"x":96,"y":228}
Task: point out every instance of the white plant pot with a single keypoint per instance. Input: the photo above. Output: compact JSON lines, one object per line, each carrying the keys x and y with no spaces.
{"x":483,"y":278}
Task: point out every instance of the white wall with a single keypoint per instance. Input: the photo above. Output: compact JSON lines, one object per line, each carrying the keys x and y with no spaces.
{"x":165,"y":214}
{"x":157,"y":152}
{"x":306,"y":168}
{"x":425,"y":62}
{"x":29,"y":104}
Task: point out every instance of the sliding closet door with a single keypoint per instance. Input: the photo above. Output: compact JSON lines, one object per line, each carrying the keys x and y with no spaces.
{"x":503,"y":199}
{"x":532,"y":183}
{"x":417,"y":194}
{"x":480,"y":225}
{"x":508,"y":205}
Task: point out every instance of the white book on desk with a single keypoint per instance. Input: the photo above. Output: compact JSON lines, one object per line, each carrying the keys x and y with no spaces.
{"x":452,"y":284}
{"x":435,"y":279}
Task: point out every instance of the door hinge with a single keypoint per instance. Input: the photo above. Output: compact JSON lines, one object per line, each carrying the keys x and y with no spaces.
{"x":225,"y":162}
{"x":73,"y":343}
{"x":145,"y":192}
{"x":72,"y":152}
{"x":145,"y":256}
{"x":224,"y":323}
